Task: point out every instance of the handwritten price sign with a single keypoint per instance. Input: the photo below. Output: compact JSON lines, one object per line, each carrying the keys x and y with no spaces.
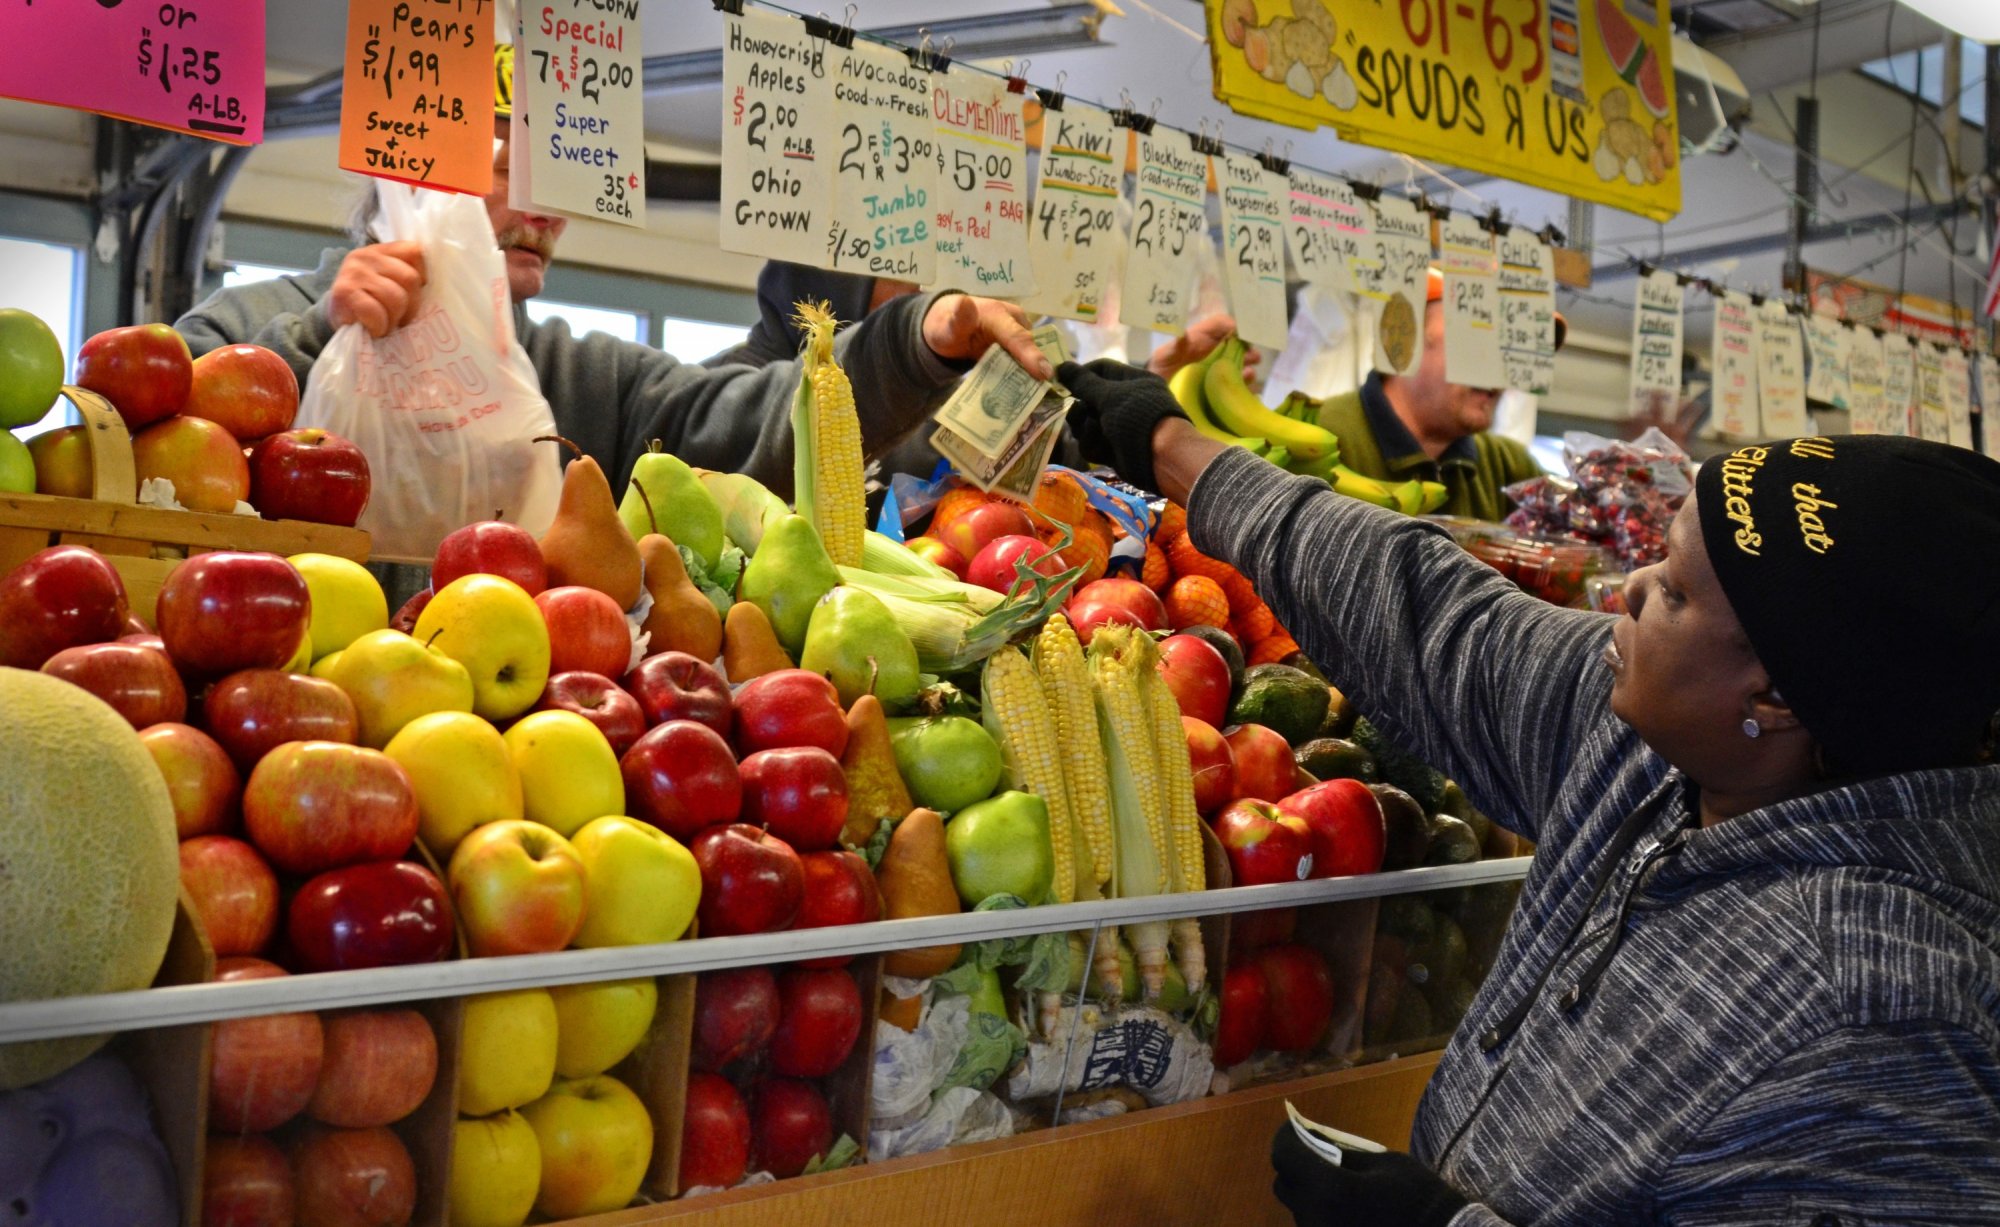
{"x":1656,"y":348}
{"x":777,"y":163}
{"x":195,"y":66}
{"x":1169,"y":221}
{"x":1073,"y":235}
{"x":1328,"y":229}
{"x":885,"y":177}
{"x":416,"y":104}
{"x":577,"y":94}
{"x":1255,"y":204}
{"x":982,"y":163}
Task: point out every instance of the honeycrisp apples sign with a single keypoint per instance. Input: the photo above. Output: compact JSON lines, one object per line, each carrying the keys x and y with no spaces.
{"x":1572,"y":95}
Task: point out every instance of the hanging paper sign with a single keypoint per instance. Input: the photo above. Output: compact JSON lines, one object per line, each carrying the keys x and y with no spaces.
{"x":1169,"y":221}
{"x":416,"y":99}
{"x":582,"y":106}
{"x":1490,"y":87}
{"x":1899,"y":384}
{"x":1073,"y":235}
{"x":1866,"y":409}
{"x":1737,"y":412}
{"x":1391,"y":279}
{"x":1958,"y":396}
{"x":1826,"y":361}
{"x":980,"y":221}
{"x":1327,"y":229}
{"x":1527,"y":311}
{"x":1933,"y":421}
{"x":194,"y":66}
{"x":1989,"y":405}
{"x":1656,"y":346}
{"x":1781,"y":373}
{"x":777,"y":168}
{"x":1471,"y":303}
{"x":885,"y":168}
{"x":1255,"y":204}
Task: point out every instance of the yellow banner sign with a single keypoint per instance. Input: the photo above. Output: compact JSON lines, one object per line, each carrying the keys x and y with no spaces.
{"x":1576,"y":96}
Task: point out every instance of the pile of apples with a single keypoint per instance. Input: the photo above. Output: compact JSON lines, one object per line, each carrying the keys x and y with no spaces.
{"x":1277,"y":994}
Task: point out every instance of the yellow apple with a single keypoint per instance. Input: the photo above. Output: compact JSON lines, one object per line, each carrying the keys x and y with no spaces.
{"x":347,"y":603}
{"x":325,"y":665}
{"x":393,"y":679}
{"x":462,"y":773}
{"x":496,"y":1170}
{"x":516,"y":888}
{"x":506,"y":1050}
{"x":598,"y":1025}
{"x":596,"y":1142}
{"x":301,"y":661}
{"x":569,"y":773}
{"x":492,"y":627}
{"x":644,"y":884}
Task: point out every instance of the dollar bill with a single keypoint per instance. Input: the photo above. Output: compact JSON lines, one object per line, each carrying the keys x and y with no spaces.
{"x":990,"y":407}
{"x":1048,"y":339}
{"x":1326,"y":1141}
{"x":1017,"y":473}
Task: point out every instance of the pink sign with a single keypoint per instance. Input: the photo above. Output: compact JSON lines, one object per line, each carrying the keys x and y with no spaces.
{"x":195,"y":66}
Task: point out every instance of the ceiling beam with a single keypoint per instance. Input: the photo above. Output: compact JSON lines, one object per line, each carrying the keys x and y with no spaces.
{"x":1851,"y":33}
{"x":1689,"y":259}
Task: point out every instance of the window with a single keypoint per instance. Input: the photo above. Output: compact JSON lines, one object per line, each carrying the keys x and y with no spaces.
{"x":244,"y":273}
{"x":46,"y":280}
{"x":698,"y":340}
{"x":625,"y":325}
{"x":1922,"y":73}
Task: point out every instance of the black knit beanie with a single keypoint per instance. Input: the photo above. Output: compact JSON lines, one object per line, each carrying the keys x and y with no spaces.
{"x":1866,"y":571}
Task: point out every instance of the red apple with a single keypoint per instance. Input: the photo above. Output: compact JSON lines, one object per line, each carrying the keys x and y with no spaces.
{"x":995,"y":567}
{"x":1115,"y":600}
{"x":937,"y":553}
{"x":381,"y":914}
{"x":798,"y":793}
{"x":1246,"y":1012}
{"x":790,"y":707}
{"x":254,"y":711}
{"x":60,"y":597}
{"x":682,"y":778}
{"x":1198,"y":676}
{"x":1265,"y":769}
{"x":312,"y":806}
{"x":379,"y":1066}
{"x":229,"y":610}
{"x":1252,"y":931}
{"x":204,"y":461}
{"x":1265,"y":843}
{"x":1214,"y":766}
{"x":245,"y":389}
{"x":309,"y":474}
{"x":715,"y":1134}
{"x":406,"y":617}
{"x":819,"y":1018}
{"x":264,"y":1067}
{"x":676,"y":686}
{"x":201,"y":781}
{"x":1348,"y":831}
{"x":973,"y":530}
{"x":491,"y":547}
{"x":735,"y":1013}
{"x":245,"y":1182}
{"x":145,"y":371}
{"x":139,"y":683}
{"x":353,"y":1177}
{"x":587,"y":631}
{"x":599,"y":700}
{"x":790,"y":1123}
{"x":1299,"y":989}
{"x":840,"y":890}
{"x":233,"y":892}
{"x":751,"y":881}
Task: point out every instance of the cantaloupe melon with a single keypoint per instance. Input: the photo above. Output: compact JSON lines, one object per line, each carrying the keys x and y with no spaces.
{"x":89,"y":871}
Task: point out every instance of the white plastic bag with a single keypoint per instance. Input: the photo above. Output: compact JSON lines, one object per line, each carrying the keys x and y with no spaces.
{"x":445,"y":408}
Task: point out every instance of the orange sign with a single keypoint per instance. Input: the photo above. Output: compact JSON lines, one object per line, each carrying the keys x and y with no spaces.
{"x":416,"y":100}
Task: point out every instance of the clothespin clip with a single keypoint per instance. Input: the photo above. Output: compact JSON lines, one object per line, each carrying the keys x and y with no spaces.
{"x":1370,"y":192}
{"x":1016,"y":83}
{"x":732,"y":7}
{"x":1052,"y":99}
{"x":826,"y":29}
{"x":1272,"y":162}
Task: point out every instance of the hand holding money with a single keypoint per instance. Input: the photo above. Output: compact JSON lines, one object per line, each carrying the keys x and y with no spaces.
{"x":1367,"y":1187}
{"x":962,"y":327}
{"x":1001,"y":424}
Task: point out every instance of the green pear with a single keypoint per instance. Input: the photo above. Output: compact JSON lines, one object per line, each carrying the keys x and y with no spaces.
{"x":787,"y":576}
{"x":682,"y":508}
{"x":858,"y":646}
{"x":1001,"y":846}
{"x":948,"y":762}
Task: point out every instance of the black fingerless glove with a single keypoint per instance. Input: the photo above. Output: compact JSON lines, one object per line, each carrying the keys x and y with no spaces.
{"x":1366,"y":1190}
{"x":1117,"y":407}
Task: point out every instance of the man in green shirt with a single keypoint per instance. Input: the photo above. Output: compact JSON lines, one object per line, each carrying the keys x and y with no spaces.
{"x":1398,"y":427}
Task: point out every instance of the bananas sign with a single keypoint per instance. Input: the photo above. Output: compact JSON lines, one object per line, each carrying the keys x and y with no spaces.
{"x":1576,"y":96}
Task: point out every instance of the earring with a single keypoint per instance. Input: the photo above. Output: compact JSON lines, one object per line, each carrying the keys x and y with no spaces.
{"x":1752,"y":729}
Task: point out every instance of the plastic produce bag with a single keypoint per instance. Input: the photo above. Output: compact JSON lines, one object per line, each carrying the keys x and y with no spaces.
{"x":1619,"y":495}
{"x":1142,"y":1049}
{"x":960,"y":1116}
{"x":446,"y":408}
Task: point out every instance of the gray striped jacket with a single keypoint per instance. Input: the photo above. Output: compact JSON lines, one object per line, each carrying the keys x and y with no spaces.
{"x":1792,"y":1017}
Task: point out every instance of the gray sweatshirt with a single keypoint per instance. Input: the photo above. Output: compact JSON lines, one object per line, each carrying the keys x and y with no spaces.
{"x":1792,"y":1017}
{"x":613,"y":397}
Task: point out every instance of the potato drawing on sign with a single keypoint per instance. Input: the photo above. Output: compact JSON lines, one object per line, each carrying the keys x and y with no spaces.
{"x":1297,"y":50}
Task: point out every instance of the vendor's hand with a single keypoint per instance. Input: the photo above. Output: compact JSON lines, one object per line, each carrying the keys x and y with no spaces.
{"x":1202,"y":336}
{"x":961,"y":327}
{"x":377,"y":286}
{"x":1117,"y":407}
{"x":1366,"y":1190}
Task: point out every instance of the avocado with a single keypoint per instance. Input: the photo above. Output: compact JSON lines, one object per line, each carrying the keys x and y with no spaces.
{"x":1440,"y":958}
{"x":1225,"y":643}
{"x":1409,"y":833}
{"x":1452,"y":801}
{"x":1330,"y":758}
{"x":1281,"y":698}
{"x":1399,"y":767}
{"x":1340,"y":714}
{"x":1452,"y":842}
{"x":1450,"y":1000}
{"x":1299,"y":661}
{"x":1406,"y":917}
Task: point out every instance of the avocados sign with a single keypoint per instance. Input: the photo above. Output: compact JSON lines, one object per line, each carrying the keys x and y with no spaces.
{"x":1571,"y":95}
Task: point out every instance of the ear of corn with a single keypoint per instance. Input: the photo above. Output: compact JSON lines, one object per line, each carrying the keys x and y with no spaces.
{"x":1017,"y":716}
{"x":826,"y":441}
{"x":1066,"y":690}
{"x":885,"y":557}
{"x":1183,"y":825}
{"x":1143,"y":861}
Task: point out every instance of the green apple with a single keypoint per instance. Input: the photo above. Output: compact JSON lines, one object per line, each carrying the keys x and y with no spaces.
{"x":496,"y":1170}
{"x":506,"y":1050}
{"x":17,"y":465}
{"x":1001,"y":846}
{"x":31,"y":368}
{"x":596,"y":1142}
{"x":492,"y":627}
{"x":462,"y":772}
{"x":393,"y":679}
{"x":644,"y":883}
{"x":948,"y":761}
{"x":598,"y":1025}
{"x":516,"y":888}
{"x":347,"y":603}
{"x":569,"y":773}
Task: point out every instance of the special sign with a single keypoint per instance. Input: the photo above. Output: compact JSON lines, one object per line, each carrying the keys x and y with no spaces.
{"x":1471,"y":82}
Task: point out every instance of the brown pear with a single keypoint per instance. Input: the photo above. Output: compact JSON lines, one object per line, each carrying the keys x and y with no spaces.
{"x":682,"y":619}
{"x":588,"y":544}
{"x":750,"y":648}
{"x":875,"y":788}
{"x":915,"y":877}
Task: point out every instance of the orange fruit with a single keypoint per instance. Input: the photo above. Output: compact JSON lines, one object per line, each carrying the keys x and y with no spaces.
{"x":1196,"y":600}
{"x":1258,"y":621}
{"x":1236,"y":586}
{"x":1059,"y":496}
{"x":1272,"y":649}
{"x":1091,"y":550}
{"x":1156,"y":574}
{"x":1173,"y":523}
{"x":955,"y":503}
{"x":1188,"y":560}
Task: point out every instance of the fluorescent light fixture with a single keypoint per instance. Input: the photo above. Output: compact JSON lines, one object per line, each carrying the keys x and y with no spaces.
{"x":1978,"y":20}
